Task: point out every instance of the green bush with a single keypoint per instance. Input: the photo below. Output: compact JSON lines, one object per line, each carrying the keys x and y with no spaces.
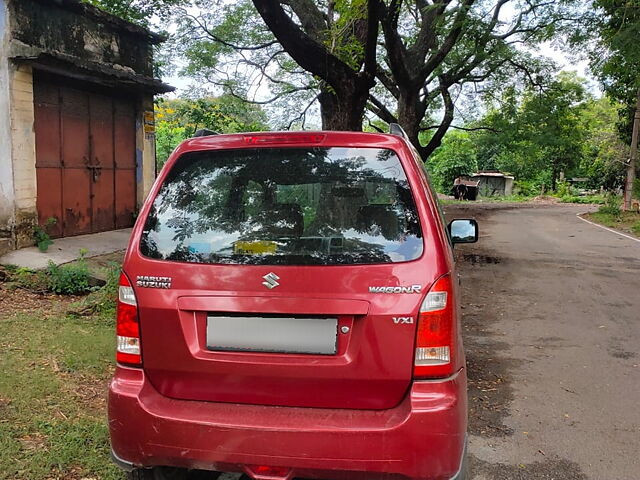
{"x":71,"y":279}
{"x":636,"y":188}
{"x":563,"y":189}
{"x":526,"y":188}
{"x":611,"y":205}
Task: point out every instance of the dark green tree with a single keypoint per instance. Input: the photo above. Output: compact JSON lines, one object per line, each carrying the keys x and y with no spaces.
{"x":611,"y":30}
{"x":331,"y":51}
{"x":178,"y":119}
{"x":139,"y":11}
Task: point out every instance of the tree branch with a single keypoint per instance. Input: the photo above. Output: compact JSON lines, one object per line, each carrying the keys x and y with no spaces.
{"x":447,"y":119}
{"x":380,"y":109}
{"x":307,"y":52}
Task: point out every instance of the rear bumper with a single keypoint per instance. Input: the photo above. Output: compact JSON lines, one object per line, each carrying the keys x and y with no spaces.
{"x":422,"y":438}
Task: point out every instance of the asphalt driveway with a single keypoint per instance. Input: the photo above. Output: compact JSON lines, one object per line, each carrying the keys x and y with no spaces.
{"x":552,"y":332}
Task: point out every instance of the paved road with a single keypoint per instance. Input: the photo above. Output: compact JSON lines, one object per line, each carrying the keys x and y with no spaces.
{"x":552,"y":331}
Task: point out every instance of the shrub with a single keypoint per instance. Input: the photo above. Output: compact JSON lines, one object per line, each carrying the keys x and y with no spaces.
{"x":527,"y":188}
{"x":564,"y":189}
{"x":70,"y":279}
{"x":611,"y":205}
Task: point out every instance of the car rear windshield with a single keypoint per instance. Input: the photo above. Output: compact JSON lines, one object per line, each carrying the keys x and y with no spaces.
{"x":285,"y":206}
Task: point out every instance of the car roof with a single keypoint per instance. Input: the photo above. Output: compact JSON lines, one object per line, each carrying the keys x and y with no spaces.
{"x":293,"y":139}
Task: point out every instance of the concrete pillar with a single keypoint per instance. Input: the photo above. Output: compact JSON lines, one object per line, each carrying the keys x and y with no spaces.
{"x":145,"y":148}
{"x":23,"y":153}
{"x":6,"y":165}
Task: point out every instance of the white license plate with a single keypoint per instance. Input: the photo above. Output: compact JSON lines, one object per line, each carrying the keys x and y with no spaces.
{"x":272,"y":334}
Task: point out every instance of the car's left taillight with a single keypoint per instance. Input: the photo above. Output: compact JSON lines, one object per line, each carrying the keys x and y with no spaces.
{"x":436,"y":332}
{"x":127,"y":325}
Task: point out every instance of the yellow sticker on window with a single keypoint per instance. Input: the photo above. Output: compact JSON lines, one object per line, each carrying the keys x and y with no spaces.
{"x":255,"y":247}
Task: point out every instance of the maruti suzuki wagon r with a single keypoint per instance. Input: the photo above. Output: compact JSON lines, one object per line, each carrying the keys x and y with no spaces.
{"x":288,"y":308}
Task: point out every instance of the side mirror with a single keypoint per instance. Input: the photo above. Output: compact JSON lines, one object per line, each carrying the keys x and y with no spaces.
{"x":463,"y":231}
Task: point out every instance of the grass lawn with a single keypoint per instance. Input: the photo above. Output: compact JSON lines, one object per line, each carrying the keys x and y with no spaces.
{"x":628,"y":222}
{"x":54,"y":371}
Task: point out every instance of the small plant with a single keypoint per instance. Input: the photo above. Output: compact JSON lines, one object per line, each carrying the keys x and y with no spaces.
{"x":102,"y":300}
{"x":34,"y":281}
{"x":611,"y":205}
{"x":70,"y":279}
{"x":40,"y":235}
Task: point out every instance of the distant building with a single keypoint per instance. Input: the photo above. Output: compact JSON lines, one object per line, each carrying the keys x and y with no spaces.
{"x":76,"y":119}
{"x":493,"y":183}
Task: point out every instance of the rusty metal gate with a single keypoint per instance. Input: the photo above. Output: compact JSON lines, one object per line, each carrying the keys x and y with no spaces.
{"x":85,"y":158}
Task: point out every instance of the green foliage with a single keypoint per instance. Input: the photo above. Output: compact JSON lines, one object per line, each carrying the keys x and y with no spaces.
{"x":35,"y":281}
{"x":636,"y":188}
{"x":563,"y":189}
{"x":536,"y":135}
{"x":177,"y":120}
{"x":40,"y":235}
{"x":609,"y":32}
{"x":611,"y":206}
{"x":456,"y":157}
{"x":526,"y":188}
{"x":587,"y":200}
{"x":139,"y":11}
{"x":69,"y":279}
{"x":102,"y":300}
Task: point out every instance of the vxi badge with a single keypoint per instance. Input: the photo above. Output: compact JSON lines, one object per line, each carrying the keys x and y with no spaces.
{"x":411,"y":289}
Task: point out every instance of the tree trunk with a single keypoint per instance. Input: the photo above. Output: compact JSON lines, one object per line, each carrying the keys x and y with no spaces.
{"x":633,"y":157}
{"x":343,"y":109}
{"x":410,"y":113}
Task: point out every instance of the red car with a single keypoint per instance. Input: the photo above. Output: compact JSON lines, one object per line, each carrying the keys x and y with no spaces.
{"x":288,"y":308}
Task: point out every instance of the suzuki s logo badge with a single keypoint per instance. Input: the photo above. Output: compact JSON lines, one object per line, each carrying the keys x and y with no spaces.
{"x":271,"y":280}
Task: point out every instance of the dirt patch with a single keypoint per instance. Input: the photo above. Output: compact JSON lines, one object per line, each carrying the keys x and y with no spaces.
{"x":90,"y":391}
{"x":475,"y":258}
{"x":616,"y":350}
{"x":489,"y":380}
{"x":551,"y":469}
{"x":17,"y":300}
{"x":488,"y":370}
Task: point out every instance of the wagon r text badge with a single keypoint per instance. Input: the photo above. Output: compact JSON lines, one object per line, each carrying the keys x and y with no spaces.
{"x":411,"y":289}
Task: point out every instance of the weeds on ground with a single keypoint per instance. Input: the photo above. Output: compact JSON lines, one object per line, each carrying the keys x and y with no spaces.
{"x":69,"y":279}
{"x":102,"y":300}
{"x":588,"y":199}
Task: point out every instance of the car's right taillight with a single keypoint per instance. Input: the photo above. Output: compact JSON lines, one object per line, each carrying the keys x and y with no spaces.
{"x":436,"y":332}
{"x":127,"y":326}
